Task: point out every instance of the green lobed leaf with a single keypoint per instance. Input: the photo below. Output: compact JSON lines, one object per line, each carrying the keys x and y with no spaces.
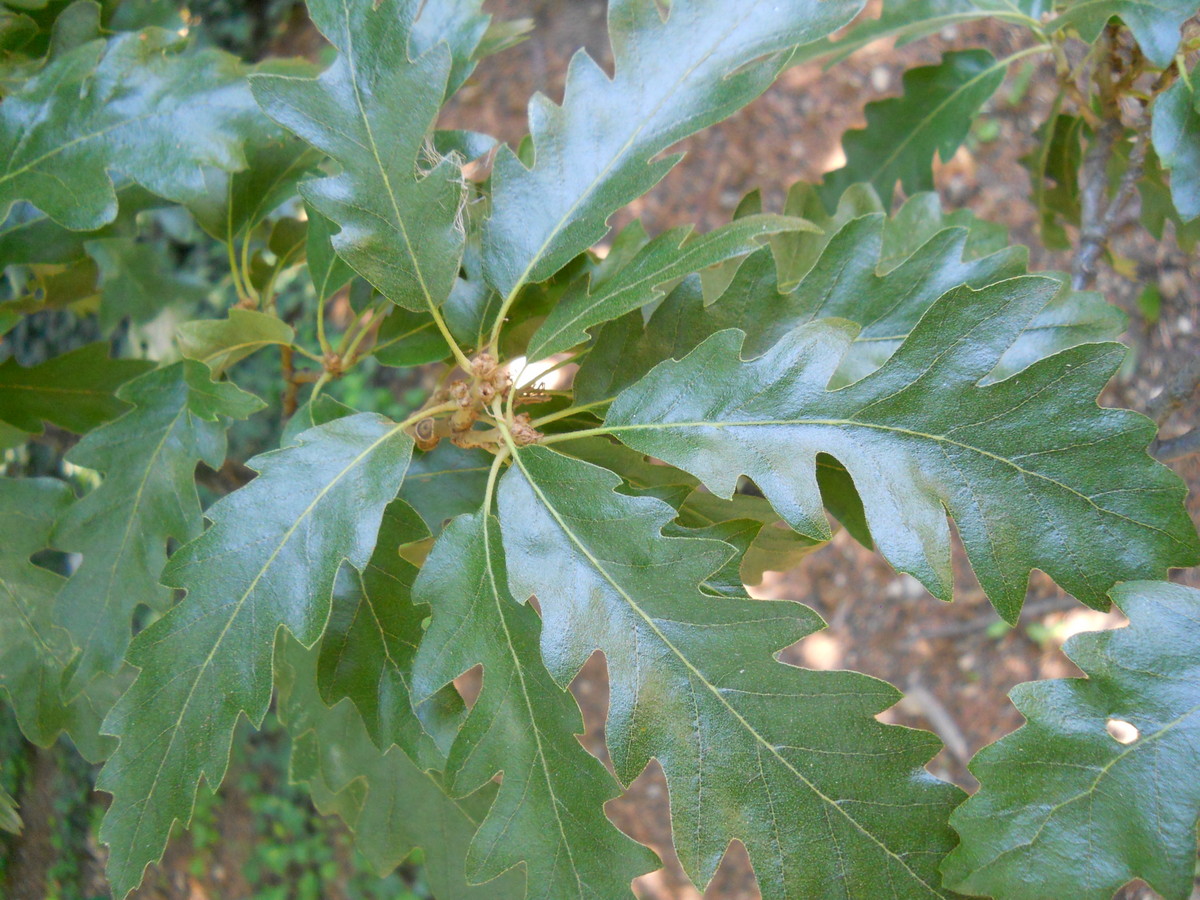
{"x":1067,"y":810}
{"x":233,"y":203}
{"x":28,"y":235}
{"x":75,"y":391}
{"x":860,"y":274}
{"x":1175,"y":130}
{"x":220,"y":343}
{"x":828,"y":801}
{"x":469,"y":33}
{"x":921,"y":217}
{"x":138,"y":280}
{"x":373,"y":633}
{"x":1155,"y":23}
{"x":408,"y":339}
{"x":328,"y":271}
{"x":267,"y":562}
{"x":549,"y":813}
{"x":667,"y":258}
{"x":796,"y":252}
{"x":399,"y":227}
{"x":911,"y":20}
{"x":904,"y":133}
{"x":147,"y":498}
{"x":138,"y":104}
{"x":10,"y":819}
{"x":445,"y":482}
{"x":1012,"y":462}
{"x":391,"y":804}
{"x":597,"y":151}
{"x":34,"y":652}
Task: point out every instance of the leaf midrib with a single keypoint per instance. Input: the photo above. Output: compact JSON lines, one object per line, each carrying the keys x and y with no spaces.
{"x":203,"y":668}
{"x":849,"y":423}
{"x":537,"y":732}
{"x":762,"y":741}
{"x":561,"y":225}
{"x":383,"y":174}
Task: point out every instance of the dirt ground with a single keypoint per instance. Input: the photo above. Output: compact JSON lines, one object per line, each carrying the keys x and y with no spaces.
{"x":954,"y":665}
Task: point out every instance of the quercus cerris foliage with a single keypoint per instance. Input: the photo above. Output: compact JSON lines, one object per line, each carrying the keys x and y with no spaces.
{"x":891,"y":369}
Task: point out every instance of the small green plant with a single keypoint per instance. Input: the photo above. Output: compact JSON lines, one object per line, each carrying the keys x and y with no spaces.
{"x":878,"y":367}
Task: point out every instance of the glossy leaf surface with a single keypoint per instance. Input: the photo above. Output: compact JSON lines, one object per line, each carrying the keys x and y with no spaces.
{"x":668,"y":257}
{"x":864,"y":273}
{"x":147,"y":497}
{"x":1012,"y":462}
{"x":549,"y":813}
{"x":829,"y":802}
{"x":1098,"y":787}
{"x":268,"y":561}
{"x":398,"y":227}
{"x":137,"y":104}
{"x":677,"y":70}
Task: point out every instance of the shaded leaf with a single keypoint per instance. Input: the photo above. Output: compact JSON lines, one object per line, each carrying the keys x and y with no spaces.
{"x":28,"y":235}
{"x":311,"y":414}
{"x":1155,"y":23}
{"x":398,"y":227}
{"x":596,"y":152}
{"x":392,"y":806}
{"x":75,"y":391}
{"x":147,"y":497}
{"x":445,"y":482}
{"x":268,"y":561}
{"x":220,"y":343}
{"x":828,"y":801}
{"x":1098,"y":787}
{"x":34,"y":652}
{"x":10,"y":819}
{"x":367,"y":651}
{"x":667,"y":258}
{"x":139,"y":280}
{"x":1012,"y":462}
{"x":549,"y":813}
{"x":233,"y":203}
{"x":328,"y":271}
{"x":138,"y":104}
{"x":1176,"y":134}
{"x":904,"y":133}
{"x":1054,"y":171}
{"x":409,"y":339}
{"x":770,"y":548}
